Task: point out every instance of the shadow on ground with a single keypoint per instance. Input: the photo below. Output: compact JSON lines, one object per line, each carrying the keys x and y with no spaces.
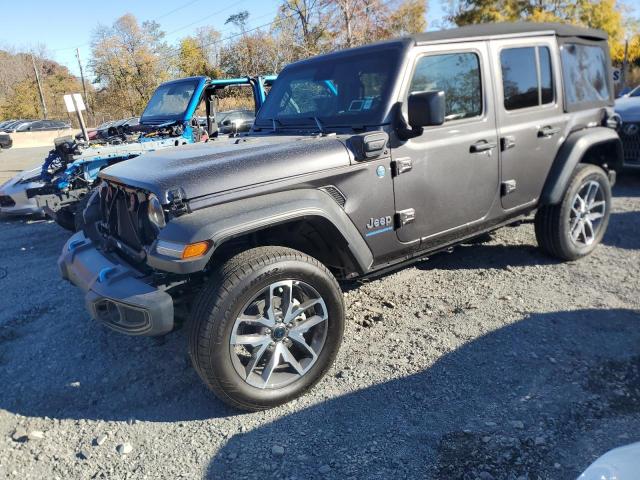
{"x":561,"y":374}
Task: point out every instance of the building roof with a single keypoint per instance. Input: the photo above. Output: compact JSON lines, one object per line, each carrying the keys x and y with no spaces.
{"x":487,"y":30}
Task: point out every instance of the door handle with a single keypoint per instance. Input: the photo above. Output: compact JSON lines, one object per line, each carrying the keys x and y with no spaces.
{"x":545,"y":132}
{"x":482,"y":146}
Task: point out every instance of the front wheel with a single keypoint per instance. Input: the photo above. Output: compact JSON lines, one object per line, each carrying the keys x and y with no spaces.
{"x":574,"y":227}
{"x":266,"y":327}
{"x":66,"y":218}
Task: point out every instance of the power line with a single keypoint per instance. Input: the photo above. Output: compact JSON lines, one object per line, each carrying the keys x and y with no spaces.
{"x":188,"y":4}
{"x":206,"y":18}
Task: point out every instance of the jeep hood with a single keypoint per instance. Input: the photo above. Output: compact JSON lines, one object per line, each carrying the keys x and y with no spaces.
{"x":228,"y":164}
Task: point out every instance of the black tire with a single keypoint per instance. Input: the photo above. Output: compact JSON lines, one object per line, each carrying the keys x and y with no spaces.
{"x":65,"y":217}
{"x":235,"y":283}
{"x":553,"y":222}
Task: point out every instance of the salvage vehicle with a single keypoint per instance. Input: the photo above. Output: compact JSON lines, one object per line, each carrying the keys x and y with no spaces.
{"x":5,"y":140}
{"x":628,"y":107}
{"x":71,"y":168}
{"x":456,"y":133}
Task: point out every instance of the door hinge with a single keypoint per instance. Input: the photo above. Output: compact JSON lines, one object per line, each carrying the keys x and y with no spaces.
{"x":403,"y":217}
{"x":402,"y":165}
{"x":507,"y":187}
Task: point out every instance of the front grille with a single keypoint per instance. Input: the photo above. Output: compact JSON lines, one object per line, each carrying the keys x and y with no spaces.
{"x":123,"y":213}
{"x":6,"y":201}
{"x":630,"y":136}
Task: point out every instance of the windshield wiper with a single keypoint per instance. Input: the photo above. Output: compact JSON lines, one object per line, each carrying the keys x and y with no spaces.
{"x":318,"y":123}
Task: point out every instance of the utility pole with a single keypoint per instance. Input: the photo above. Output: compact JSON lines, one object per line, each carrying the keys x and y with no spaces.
{"x":44,"y":105}
{"x":84,"y":88}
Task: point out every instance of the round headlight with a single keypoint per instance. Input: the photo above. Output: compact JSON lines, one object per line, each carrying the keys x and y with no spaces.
{"x":155,"y":212}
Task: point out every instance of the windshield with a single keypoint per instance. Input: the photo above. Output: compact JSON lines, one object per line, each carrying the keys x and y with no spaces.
{"x":635,"y":92}
{"x":335,"y":91}
{"x":170,"y":101}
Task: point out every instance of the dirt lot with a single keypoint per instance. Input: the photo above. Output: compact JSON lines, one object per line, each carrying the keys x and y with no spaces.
{"x":491,"y":362}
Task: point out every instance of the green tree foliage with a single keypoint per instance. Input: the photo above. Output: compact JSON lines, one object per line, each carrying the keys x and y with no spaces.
{"x":20,"y":99}
{"x":129,"y":61}
{"x":607,"y":15}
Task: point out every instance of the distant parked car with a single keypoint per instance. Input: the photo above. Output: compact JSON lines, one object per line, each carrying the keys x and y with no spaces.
{"x":5,"y":140}
{"x":42,"y":126}
{"x":5,"y":123}
{"x":14,"y":125}
{"x":628,"y":107}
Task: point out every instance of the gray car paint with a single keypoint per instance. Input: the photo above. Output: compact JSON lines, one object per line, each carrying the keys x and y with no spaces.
{"x":216,"y":167}
{"x":455,"y":193}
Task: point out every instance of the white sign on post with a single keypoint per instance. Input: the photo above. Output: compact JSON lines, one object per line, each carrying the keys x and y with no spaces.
{"x":68,"y":102}
{"x":79,"y":102}
{"x":71,"y":105}
{"x":617,"y":75}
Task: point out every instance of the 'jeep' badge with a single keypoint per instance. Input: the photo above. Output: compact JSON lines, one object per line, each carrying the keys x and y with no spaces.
{"x":379,"y":222}
{"x":379,"y":225}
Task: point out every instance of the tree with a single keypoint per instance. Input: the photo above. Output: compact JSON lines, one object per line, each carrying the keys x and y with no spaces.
{"x":129,"y":61}
{"x":304,"y":23}
{"x":20,"y":97}
{"x":606,"y":15}
{"x":193,"y":60}
{"x":408,"y":17}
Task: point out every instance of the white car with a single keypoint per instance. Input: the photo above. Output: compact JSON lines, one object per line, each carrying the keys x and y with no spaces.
{"x":628,"y":107}
{"x":618,"y":464}
{"x":13,"y":194}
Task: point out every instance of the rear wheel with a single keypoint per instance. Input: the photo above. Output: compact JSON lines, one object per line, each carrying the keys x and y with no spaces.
{"x":574,"y":227}
{"x":266,"y":327}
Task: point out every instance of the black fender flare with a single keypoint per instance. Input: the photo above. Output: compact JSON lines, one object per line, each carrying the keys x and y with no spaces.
{"x":571,"y":153}
{"x":223,"y":222}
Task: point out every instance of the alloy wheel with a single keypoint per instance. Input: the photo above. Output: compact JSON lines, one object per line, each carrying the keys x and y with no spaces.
{"x":279,"y":334}
{"x":587,"y":211}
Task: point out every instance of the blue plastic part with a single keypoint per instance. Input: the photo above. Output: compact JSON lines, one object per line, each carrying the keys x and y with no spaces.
{"x":104,"y":274}
{"x":73,"y":245}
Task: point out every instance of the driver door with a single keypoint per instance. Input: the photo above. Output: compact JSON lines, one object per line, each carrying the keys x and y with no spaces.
{"x":448,"y":177}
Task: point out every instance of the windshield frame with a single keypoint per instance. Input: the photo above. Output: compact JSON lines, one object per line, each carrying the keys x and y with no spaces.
{"x":185,"y":115}
{"x":393,"y":52}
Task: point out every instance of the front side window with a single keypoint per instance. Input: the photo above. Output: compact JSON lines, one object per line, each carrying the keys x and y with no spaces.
{"x":458,"y":75}
{"x":527,"y":80}
{"x":585,"y":73}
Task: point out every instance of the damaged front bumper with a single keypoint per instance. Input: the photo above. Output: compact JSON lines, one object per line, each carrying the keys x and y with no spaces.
{"x":116,"y":294}
{"x":13,"y":194}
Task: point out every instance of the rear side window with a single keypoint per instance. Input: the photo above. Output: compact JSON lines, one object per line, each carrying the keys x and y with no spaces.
{"x":458,"y":75}
{"x":527,"y":79}
{"x":585,"y":74}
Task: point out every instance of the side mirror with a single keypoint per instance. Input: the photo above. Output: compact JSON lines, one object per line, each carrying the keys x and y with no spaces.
{"x":426,"y":109}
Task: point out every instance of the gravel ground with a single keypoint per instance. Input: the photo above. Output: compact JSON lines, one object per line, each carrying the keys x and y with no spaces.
{"x":491,"y":362}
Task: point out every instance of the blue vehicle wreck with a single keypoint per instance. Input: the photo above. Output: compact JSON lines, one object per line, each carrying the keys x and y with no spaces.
{"x":169,"y":120}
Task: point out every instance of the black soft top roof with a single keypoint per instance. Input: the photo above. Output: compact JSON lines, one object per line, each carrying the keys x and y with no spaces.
{"x":481,"y":31}
{"x":515,"y":29}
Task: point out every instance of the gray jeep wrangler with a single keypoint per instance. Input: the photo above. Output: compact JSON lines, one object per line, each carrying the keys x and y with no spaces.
{"x":359,"y":161}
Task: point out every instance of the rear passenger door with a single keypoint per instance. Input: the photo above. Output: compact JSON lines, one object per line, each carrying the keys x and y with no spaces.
{"x":531,"y":121}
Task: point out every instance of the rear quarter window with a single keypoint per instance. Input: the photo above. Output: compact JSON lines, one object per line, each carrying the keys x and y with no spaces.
{"x":586,"y":75}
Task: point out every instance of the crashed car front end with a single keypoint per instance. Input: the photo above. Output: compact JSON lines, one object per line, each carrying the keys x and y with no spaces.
{"x":13,"y":194}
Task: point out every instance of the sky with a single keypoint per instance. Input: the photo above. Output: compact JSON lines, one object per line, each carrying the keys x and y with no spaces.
{"x":64,"y":25}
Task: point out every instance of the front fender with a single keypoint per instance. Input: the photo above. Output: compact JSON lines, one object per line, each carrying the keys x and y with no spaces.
{"x":571,"y":153}
{"x":221,"y":223}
